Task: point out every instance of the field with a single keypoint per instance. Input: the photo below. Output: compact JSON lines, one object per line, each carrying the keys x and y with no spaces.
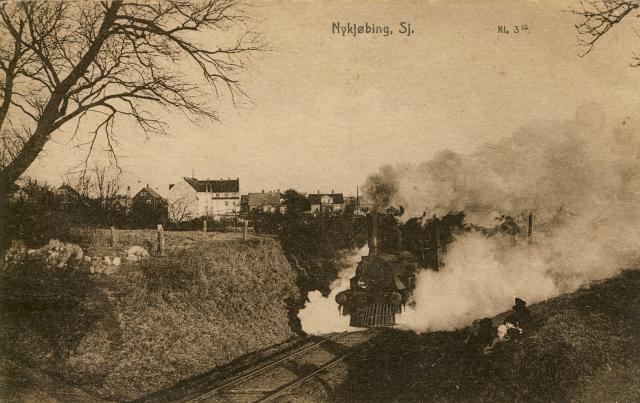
{"x":147,"y":325}
{"x":101,"y":238}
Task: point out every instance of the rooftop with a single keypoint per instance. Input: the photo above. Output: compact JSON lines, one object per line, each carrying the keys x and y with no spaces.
{"x":214,"y":185}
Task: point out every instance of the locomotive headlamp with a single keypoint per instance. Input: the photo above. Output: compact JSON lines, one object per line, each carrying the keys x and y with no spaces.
{"x":341,"y":298}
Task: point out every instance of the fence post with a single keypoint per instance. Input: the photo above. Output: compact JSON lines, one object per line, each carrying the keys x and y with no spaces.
{"x":160,"y":240}
{"x":113,"y":236}
{"x":204,"y":226}
{"x":244,"y":230}
{"x":437,"y":240}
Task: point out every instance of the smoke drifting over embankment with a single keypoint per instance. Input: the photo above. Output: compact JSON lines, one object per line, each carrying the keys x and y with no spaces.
{"x":581,"y":181}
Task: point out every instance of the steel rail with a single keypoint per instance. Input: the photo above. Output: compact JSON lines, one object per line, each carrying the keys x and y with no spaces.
{"x":251,"y":374}
{"x":278,"y":392}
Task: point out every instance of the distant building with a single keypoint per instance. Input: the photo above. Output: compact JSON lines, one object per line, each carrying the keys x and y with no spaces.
{"x":67,"y":195}
{"x":190,"y":198}
{"x":268,"y":202}
{"x":148,"y":197}
{"x":326,"y":202}
{"x":120,"y":202}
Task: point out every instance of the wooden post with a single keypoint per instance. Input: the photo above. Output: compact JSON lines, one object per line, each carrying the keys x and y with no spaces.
{"x":245,"y":230}
{"x":113,"y":236}
{"x":160,"y":240}
{"x":204,"y":226}
{"x":437,"y":240}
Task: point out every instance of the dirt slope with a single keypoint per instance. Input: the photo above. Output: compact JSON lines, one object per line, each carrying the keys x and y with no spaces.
{"x":583,"y":347}
{"x":151,"y":323}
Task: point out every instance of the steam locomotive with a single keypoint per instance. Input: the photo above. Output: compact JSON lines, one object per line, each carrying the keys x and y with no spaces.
{"x":382,"y":284}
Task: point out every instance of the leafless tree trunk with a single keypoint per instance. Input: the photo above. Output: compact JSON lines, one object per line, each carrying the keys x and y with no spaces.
{"x":63,"y":61}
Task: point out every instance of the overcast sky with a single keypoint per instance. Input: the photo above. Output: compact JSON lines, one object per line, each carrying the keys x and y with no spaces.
{"x":326,"y":110}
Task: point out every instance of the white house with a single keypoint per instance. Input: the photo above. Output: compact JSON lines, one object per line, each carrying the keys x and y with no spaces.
{"x":190,"y":198}
{"x":326,"y":202}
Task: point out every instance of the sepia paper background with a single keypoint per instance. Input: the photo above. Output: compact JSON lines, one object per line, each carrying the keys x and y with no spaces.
{"x":323,"y":110}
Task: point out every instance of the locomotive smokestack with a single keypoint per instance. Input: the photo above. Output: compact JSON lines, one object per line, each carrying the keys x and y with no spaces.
{"x":373,"y":234}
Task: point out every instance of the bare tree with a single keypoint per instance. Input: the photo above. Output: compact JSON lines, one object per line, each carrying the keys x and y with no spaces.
{"x":63,"y":61}
{"x":100,"y":182}
{"x":81,"y":182}
{"x":181,"y":209}
{"x":599,"y":16}
{"x":106,"y":180}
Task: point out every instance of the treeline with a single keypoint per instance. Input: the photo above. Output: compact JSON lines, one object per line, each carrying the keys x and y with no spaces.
{"x":35,"y":214}
{"x":312,"y":242}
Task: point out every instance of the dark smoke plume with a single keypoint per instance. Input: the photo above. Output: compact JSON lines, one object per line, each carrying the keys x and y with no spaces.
{"x":581,"y":180}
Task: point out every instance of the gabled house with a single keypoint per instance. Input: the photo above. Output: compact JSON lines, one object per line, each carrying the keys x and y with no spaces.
{"x":326,"y":202}
{"x":268,"y":202}
{"x":149,"y":197}
{"x":67,"y":194}
{"x":190,"y":198}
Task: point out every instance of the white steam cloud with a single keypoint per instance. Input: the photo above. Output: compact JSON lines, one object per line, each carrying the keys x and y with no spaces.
{"x":581,"y":181}
{"x":321,"y":315}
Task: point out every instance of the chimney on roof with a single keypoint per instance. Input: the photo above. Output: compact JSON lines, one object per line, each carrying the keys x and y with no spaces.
{"x":331,"y":191}
{"x":128,"y":192}
{"x":262,"y":190}
{"x":318,"y":191}
{"x":147,"y":185}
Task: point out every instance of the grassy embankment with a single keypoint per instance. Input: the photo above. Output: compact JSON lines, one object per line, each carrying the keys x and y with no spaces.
{"x":210,"y":300}
{"x":584,"y":347}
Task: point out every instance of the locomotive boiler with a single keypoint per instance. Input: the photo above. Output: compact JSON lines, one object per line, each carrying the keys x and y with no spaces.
{"x":383,"y":281}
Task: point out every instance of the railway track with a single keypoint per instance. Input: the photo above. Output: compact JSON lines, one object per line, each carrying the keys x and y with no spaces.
{"x":282,"y":375}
